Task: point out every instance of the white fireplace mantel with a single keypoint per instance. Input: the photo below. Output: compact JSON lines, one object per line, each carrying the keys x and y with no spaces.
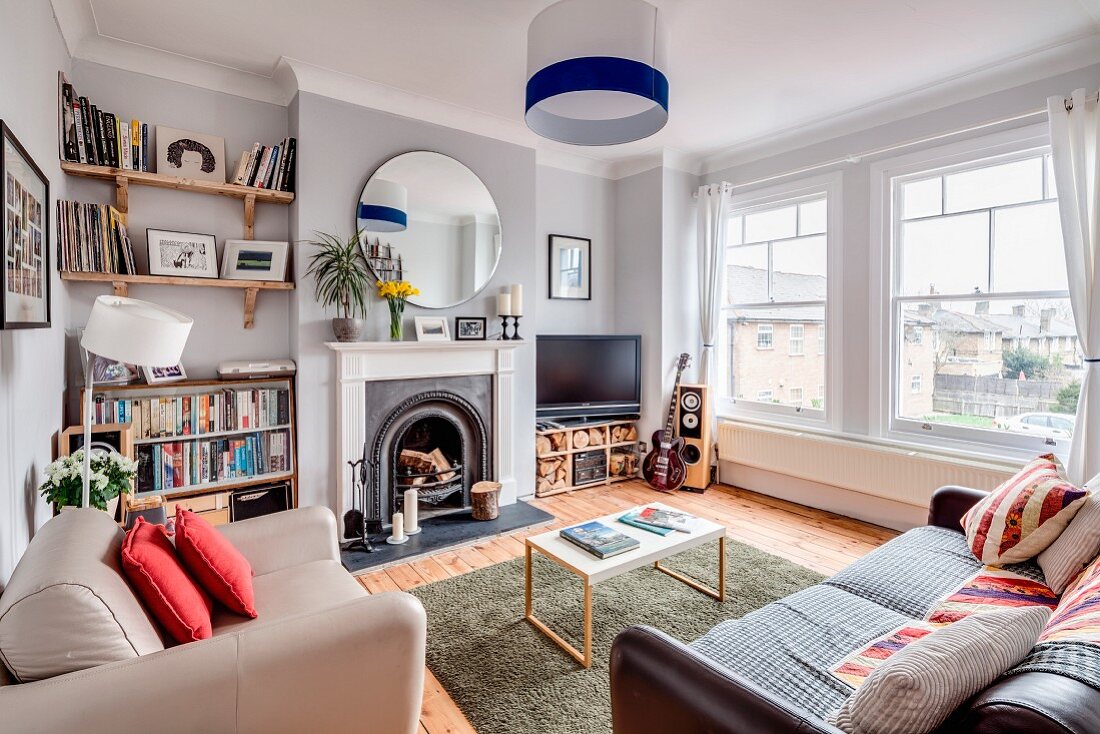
{"x":358,"y":363}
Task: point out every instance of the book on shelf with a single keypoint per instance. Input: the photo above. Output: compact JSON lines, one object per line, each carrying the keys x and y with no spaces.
{"x":88,"y":134}
{"x":669,"y":519}
{"x":217,"y":411}
{"x":92,"y":238}
{"x":598,"y":539}
{"x":631,"y":519}
{"x":267,"y":166}
{"x":180,"y":465}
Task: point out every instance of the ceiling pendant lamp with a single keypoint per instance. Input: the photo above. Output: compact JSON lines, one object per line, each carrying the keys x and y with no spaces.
{"x":383,"y":207}
{"x":595,"y":72}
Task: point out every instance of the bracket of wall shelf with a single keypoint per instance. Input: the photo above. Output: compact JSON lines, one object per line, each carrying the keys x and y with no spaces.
{"x":122,"y":197}
{"x":250,"y":306}
{"x":121,"y":288}
{"x":250,"y":217}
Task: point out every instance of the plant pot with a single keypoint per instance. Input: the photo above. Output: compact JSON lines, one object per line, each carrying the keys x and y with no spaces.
{"x":347,"y":330}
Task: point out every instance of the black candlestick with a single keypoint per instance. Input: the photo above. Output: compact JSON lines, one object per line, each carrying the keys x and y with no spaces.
{"x":504,"y":328}
{"x":515,"y":328}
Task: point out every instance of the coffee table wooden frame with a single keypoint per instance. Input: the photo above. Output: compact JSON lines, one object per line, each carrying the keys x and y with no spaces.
{"x":615,"y":566}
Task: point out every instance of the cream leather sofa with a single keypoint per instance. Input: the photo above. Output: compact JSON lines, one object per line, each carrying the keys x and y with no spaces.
{"x":323,"y":656}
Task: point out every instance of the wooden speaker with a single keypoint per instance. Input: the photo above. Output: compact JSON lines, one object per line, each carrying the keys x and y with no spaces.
{"x":693,"y":425}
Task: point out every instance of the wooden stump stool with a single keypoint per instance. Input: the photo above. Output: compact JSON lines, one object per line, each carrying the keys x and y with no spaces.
{"x":485,"y":498}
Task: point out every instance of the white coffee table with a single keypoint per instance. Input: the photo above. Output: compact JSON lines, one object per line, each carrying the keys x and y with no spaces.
{"x":592,"y":570}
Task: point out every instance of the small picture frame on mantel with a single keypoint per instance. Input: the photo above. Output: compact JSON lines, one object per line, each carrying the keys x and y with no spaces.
{"x":470,"y":328}
{"x":570,"y":267}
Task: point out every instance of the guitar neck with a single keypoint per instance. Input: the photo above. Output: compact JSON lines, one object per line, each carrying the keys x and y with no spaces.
{"x":670,"y":421}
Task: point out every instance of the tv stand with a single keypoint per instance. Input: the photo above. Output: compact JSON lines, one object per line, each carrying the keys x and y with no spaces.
{"x":567,"y":458}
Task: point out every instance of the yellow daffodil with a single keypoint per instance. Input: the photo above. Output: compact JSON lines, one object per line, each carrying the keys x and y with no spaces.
{"x":399,"y":290}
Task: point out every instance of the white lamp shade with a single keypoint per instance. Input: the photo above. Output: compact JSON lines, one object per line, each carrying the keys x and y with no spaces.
{"x":384,"y":207}
{"x":596,"y":72}
{"x":136,"y":332}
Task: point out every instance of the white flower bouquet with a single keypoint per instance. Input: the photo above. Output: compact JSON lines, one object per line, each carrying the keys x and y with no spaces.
{"x":111,"y":474}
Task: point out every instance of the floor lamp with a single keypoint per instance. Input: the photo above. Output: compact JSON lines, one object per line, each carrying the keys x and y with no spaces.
{"x":130,"y":331}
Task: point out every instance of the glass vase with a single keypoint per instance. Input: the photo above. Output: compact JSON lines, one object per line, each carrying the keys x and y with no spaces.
{"x":397,"y":329}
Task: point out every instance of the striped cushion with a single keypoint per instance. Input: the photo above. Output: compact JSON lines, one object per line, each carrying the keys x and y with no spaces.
{"x":1077,"y":618}
{"x":1023,"y":516}
{"x":921,"y":685}
{"x":1076,"y":546}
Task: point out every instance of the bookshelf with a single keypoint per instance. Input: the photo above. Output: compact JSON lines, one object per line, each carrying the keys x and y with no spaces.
{"x":556,"y":450}
{"x":239,"y":434}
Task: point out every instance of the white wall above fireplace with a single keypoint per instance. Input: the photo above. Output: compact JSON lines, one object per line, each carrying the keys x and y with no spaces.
{"x":358,"y":363}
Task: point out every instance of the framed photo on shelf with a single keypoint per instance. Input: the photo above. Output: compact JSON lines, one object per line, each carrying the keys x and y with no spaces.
{"x":105,"y":436}
{"x":570,"y":267}
{"x":470,"y":328}
{"x":254,"y":260}
{"x":190,"y":155}
{"x":185,"y":254}
{"x":160,"y":375}
{"x":432,"y":329}
{"x":25,"y":237}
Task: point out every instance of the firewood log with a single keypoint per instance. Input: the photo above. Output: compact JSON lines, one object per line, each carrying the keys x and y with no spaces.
{"x":631,"y":433}
{"x":546,"y":467}
{"x":485,"y":500}
{"x":557,"y":440}
{"x":580,"y":439}
{"x":542,"y":445}
{"x":595,"y":437}
{"x":441,"y":464}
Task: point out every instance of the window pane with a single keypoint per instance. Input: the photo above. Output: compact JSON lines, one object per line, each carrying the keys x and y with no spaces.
{"x":1000,"y":365}
{"x":781,"y":367}
{"x":812,"y":217}
{"x":1027,"y":249}
{"x":734,"y":233}
{"x":799,"y":268}
{"x":771,"y":224}
{"x":922,"y":198}
{"x":747,"y":274}
{"x":1007,"y":183}
{"x":945,"y":255}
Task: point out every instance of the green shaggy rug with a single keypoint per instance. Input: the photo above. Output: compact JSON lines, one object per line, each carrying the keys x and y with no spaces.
{"x":508,"y":678}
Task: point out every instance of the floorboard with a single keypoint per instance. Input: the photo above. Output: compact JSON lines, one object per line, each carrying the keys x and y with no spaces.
{"x":822,"y":541}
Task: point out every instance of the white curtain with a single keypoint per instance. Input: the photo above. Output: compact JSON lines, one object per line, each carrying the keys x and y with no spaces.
{"x":1074,"y":137}
{"x":713,"y":212}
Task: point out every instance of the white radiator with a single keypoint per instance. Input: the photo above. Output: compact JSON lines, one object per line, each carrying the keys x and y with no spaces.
{"x":881,"y":471}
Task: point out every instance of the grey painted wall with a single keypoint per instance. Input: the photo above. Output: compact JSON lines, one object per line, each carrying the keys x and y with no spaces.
{"x":218,"y":334}
{"x":341,"y":145}
{"x":31,"y":361}
{"x":578,"y":205}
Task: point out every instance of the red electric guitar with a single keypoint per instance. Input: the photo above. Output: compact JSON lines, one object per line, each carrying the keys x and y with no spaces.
{"x":664,"y":468}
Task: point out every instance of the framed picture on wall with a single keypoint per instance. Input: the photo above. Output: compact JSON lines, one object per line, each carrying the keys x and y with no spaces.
{"x":182,"y":253}
{"x":254,"y":260}
{"x":570,"y":267}
{"x":25,"y":193}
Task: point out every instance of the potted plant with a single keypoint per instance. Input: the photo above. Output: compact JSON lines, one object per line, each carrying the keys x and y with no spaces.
{"x":343,"y":277}
{"x":111,"y":475}
{"x":396,"y":293}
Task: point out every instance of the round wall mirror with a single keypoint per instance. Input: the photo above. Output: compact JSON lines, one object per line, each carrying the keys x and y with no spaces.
{"x":428,"y":219}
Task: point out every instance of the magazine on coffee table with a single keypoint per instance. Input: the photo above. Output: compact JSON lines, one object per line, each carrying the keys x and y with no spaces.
{"x":598,"y":539}
{"x":669,"y":519}
{"x":631,"y":519}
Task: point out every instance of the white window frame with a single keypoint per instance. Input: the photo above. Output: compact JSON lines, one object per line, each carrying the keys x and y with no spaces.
{"x":829,"y":418}
{"x":801,"y":339}
{"x":1001,"y":147}
{"x":761,"y":330}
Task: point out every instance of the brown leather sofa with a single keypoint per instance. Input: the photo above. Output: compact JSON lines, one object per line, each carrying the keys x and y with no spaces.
{"x":660,"y":685}
{"x":323,"y":655}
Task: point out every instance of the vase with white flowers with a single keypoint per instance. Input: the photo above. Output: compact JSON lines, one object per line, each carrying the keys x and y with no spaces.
{"x":111,"y":475}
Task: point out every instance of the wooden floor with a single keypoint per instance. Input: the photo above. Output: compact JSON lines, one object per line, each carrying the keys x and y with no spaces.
{"x":812,"y":538}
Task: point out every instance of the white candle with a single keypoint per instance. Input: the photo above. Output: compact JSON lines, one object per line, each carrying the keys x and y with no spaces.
{"x":410,"y":512}
{"x":517,"y":300}
{"x":504,"y":304}
{"x":398,"y":526}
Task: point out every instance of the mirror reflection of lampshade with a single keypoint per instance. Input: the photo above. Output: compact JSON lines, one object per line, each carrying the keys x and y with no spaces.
{"x":383,"y":207}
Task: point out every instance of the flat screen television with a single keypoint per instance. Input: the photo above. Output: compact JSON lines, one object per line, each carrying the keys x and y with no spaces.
{"x":580,"y":377}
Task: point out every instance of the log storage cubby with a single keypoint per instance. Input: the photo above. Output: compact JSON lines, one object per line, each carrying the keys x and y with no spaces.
{"x":555,"y":449}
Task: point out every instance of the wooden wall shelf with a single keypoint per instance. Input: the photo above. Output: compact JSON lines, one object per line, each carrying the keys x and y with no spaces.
{"x":164,"y":181}
{"x":121,"y":284}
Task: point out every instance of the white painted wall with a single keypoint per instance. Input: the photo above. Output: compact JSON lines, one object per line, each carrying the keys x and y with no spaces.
{"x":32,"y":362}
{"x":337,"y":157}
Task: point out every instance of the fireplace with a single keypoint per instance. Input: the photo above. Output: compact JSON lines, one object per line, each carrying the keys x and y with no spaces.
{"x":431,"y":434}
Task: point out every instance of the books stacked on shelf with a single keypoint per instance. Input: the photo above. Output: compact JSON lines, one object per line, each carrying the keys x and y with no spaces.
{"x":92,"y":238}
{"x":88,"y":134}
{"x":665,"y":519}
{"x":382,"y":261}
{"x":218,"y":411}
{"x":180,"y":465}
{"x":598,"y":539}
{"x":268,"y":166}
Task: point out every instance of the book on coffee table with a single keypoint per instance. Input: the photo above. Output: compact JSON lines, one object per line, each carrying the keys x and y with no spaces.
{"x":598,"y":539}
{"x":631,"y":519}
{"x":667,"y":519}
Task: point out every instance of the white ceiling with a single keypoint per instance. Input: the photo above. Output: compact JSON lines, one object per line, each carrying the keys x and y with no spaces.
{"x":742,"y":72}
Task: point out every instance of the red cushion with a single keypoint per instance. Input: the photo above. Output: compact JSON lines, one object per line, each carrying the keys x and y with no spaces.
{"x":170,"y":595}
{"x":215,"y":563}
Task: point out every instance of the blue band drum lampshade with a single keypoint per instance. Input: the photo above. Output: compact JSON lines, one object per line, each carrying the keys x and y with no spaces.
{"x":595,"y":72}
{"x":384,"y":207}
